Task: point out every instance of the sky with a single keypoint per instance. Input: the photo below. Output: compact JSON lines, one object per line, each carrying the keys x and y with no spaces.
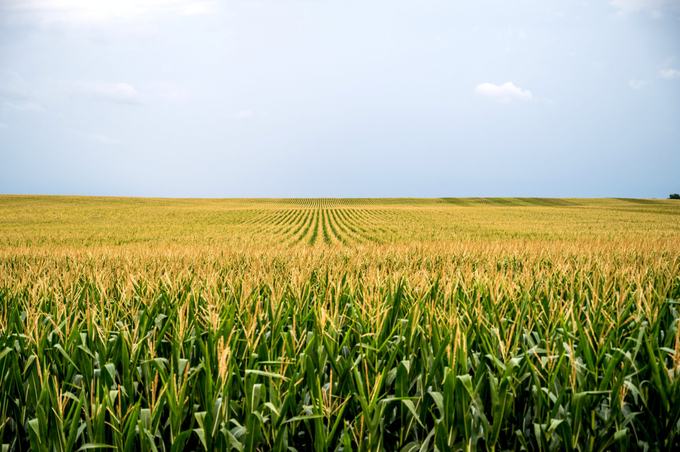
{"x":326,"y":98}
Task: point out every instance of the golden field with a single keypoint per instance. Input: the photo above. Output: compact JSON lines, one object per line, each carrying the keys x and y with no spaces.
{"x":339,"y":324}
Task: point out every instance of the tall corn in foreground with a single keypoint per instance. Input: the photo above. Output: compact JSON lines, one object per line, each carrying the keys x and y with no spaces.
{"x":507,"y":346}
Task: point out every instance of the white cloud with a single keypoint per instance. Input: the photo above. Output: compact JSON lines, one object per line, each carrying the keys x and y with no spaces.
{"x":197,"y":8}
{"x":24,"y":106}
{"x":245,"y":114}
{"x":104,"y":139}
{"x":503,"y":93}
{"x":669,"y":73}
{"x":656,"y":14}
{"x":3,"y":125}
{"x":89,"y":11}
{"x":637,"y":84}
{"x":118,"y":93}
{"x":251,"y":4}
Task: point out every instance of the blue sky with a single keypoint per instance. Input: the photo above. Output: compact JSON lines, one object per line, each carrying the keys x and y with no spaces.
{"x":280,"y":98}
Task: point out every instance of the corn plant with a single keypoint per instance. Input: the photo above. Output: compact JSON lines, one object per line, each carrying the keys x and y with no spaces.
{"x":496,"y":353}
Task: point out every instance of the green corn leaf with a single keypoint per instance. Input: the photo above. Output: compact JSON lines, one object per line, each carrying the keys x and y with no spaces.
{"x":89,"y":446}
{"x":178,"y":443}
{"x":252,"y":433}
{"x":265,"y":374}
{"x":310,"y":417}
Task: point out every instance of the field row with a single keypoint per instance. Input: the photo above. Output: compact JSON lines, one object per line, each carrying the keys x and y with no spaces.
{"x":65,"y":221}
{"x":315,"y":226}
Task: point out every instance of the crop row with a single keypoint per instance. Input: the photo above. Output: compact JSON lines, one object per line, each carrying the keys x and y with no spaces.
{"x":63,"y":221}
{"x":315,"y":226}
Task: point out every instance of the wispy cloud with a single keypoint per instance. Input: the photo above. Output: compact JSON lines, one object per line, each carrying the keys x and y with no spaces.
{"x":118,"y":93}
{"x":244,"y":114}
{"x":198,"y":8}
{"x":3,"y":125}
{"x":503,"y":93}
{"x":88,"y":11}
{"x":637,"y":84}
{"x":12,"y":85}
{"x":669,"y":73}
{"x":24,"y":106}
{"x":17,"y":93}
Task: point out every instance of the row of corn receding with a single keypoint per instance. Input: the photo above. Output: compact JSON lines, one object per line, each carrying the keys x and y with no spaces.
{"x":529,"y":352}
{"x":315,"y":225}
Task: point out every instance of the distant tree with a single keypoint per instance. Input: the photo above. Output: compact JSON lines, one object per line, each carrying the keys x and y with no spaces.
{"x":674,"y":196}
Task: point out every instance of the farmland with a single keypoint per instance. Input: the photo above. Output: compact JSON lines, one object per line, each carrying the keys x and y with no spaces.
{"x":339,"y":324}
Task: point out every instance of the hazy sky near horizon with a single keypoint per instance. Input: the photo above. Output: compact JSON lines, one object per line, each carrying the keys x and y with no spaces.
{"x":325,"y":98}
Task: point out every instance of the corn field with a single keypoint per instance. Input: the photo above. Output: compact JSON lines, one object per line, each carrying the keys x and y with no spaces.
{"x":368,"y":325}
